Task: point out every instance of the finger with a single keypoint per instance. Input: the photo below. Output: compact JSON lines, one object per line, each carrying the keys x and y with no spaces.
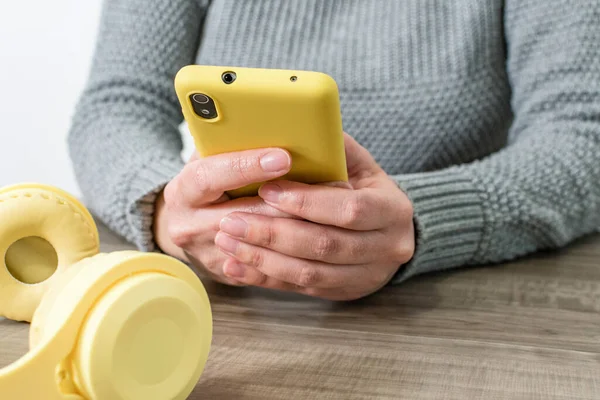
{"x":205,"y":180}
{"x":189,"y":227}
{"x":306,"y":240}
{"x":195,"y":157}
{"x":364,"y":209}
{"x":250,"y":276}
{"x":197,"y":227}
{"x":214,"y":275}
{"x":246,"y":274}
{"x":248,"y":205}
{"x":300,"y":272}
{"x":358,"y":159}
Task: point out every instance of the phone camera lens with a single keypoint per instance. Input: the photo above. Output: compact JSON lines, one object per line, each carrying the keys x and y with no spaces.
{"x":200,"y":99}
{"x":229,"y":77}
{"x":294,"y":78}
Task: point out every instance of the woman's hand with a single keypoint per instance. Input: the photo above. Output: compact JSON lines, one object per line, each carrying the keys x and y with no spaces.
{"x":345,"y":244}
{"x":192,"y":205}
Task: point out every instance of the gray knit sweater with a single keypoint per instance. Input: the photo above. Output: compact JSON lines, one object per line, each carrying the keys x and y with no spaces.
{"x":486,"y":112}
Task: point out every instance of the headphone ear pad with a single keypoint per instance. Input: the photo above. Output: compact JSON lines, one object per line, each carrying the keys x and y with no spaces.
{"x":45,"y":220}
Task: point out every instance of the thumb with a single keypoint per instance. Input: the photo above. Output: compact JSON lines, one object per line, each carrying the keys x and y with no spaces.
{"x":358,"y":159}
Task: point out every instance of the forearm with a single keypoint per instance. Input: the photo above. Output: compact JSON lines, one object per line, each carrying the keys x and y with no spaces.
{"x":543,"y":190}
{"x":124,"y":142}
{"x":530,"y":197}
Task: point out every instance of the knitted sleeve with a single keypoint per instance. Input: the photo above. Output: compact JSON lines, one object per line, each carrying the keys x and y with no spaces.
{"x":124,"y":142}
{"x":542,"y":190}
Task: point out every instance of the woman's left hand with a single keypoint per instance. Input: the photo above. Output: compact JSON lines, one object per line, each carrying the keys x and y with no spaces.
{"x":347,"y":244}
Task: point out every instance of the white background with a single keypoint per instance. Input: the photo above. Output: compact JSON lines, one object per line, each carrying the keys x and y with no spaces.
{"x":45,"y":52}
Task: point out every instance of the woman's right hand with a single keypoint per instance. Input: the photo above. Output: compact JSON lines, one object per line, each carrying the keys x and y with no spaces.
{"x":190,"y":209}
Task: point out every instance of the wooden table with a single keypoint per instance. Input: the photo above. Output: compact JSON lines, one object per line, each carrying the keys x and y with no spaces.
{"x":525,"y":330}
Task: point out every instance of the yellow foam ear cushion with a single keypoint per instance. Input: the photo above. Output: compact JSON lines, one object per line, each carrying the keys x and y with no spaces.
{"x":43,"y":231}
{"x":147,"y":336}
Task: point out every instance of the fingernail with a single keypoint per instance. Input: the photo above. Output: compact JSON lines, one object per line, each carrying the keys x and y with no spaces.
{"x":227,"y":243}
{"x":275,"y":161}
{"x":234,"y":270}
{"x":234,"y":226}
{"x":270,"y":192}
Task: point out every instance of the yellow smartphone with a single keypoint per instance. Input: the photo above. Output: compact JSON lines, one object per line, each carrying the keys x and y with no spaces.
{"x":231,"y":109}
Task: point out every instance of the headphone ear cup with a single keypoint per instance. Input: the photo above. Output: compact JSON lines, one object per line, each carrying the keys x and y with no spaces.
{"x":43,"y":314}
{"x":41,"y":225}
{"x":144,"y":326}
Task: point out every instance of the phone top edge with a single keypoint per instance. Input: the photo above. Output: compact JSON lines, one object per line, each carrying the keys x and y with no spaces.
{"x":194,"y":69}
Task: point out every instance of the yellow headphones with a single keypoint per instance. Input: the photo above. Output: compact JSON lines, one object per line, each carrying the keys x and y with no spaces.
{"x":123,"y":325}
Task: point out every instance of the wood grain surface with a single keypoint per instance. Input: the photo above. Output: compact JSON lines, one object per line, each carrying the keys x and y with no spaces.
{"x":524,"y":330}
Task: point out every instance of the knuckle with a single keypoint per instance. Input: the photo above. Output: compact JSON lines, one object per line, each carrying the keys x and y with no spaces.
{"x":236,"y":165}
{"x":309,"y":277}
{"x":202,"y":177}
{"x":354,"y":211}
{"x":170,"y":193}
{"x":181,"y":236}
{"x":299,"y":202}
{"x":267,"y":236}
{"x":405,"y":212}
{"x":402,"y":253}
{"x":241,"y":165}
{"x":256,"y":258}
{"x":324,"y":246}
{"x":409,"y":212}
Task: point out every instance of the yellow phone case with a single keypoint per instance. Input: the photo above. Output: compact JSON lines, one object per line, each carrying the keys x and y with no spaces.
{"x":298,"y":111}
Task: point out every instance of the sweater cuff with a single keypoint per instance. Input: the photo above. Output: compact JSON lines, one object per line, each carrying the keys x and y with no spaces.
{"x":448,"y":218}
{"x":144,"y":188}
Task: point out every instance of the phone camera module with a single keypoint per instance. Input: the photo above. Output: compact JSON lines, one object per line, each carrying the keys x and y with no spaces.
{"x":201,"y":98}
{"x":204,"y":106}
{"x":229,"y":77}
